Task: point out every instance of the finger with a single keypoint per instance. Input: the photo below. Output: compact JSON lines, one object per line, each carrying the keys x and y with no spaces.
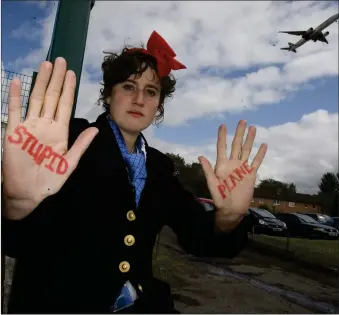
{"x":80,"y":146}
{"x":259,"y":157}
{"x":211,"y":179}
{"x":238,"y":139}
{"x":38,"y":94}
{"x":247,"y":147}
{"x":221,"y":144}
{"x":54,"y":88}
{"x":14,"y":104}
{"x":65,"y":106}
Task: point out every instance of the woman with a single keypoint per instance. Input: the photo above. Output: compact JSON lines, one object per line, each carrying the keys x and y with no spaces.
{"x":83,"y":202}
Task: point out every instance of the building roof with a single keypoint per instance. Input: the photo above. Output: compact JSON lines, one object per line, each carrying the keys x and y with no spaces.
{"x":285,"y":196}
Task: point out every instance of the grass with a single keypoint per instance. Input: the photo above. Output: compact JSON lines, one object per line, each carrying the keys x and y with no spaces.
{"x":320,"y":252}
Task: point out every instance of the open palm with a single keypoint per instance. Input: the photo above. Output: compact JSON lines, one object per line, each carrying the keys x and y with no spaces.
{"x":231,"y":183}
{"x":36,"y":160}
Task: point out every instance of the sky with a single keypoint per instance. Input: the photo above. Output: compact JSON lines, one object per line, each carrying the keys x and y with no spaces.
{"x":235,"y":70}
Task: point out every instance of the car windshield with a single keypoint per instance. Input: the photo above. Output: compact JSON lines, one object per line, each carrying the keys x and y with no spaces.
{"x":323,"y":218}
{"x":263,"y":213}
{"x":307,"y":219}
{"x":329,"y":221}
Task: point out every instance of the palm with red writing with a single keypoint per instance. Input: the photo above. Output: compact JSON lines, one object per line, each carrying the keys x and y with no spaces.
{"x":232,"y":181}
{"x":36,"y":159}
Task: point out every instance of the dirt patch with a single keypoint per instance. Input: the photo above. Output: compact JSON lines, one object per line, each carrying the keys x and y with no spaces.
{"x":185,"y":299}
{"x":208,"y":293}
{"x":227,"y":294}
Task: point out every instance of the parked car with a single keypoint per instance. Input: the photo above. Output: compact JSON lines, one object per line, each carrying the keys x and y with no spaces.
{"x":321,"y":218}
{"x":333,"y":222}
{"x":264,"y":222}
{"x":302,"y":225}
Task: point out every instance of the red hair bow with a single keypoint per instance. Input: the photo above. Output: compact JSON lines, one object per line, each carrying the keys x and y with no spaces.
{"x":158,"y":48}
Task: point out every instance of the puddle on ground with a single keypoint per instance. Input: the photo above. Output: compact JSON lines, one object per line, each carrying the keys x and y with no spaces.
{"x":298,"y":298}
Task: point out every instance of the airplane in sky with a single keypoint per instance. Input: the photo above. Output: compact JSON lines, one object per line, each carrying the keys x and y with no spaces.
{"x":311,"y":34}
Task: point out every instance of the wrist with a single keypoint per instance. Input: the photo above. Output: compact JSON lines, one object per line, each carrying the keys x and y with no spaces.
{"x":17,"y":209}
{"x":226,"y":223}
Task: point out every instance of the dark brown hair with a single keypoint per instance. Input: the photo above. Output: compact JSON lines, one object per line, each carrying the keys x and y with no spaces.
{"x":118,"y":68}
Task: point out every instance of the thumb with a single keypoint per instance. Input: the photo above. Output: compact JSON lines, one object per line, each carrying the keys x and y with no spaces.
{"x":81,"y":145}
{"x":211,"y":179}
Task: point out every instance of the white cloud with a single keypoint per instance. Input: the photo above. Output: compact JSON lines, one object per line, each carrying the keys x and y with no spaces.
{"x":299,"y":152}
{"x":212,"y":34}
{"x":41,"y":3}
{"x":21,"y":33}
{"x":33,"y":59}
{"x":227,"y":35}
{"x":302,"y":151}
{"x":224,"y":36}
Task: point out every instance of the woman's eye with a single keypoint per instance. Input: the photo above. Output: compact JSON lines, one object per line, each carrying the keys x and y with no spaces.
{"x":152,"y":93}
{"x":128,"y":87}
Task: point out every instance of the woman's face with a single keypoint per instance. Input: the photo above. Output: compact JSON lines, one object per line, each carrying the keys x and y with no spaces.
{"x":134,"y":103}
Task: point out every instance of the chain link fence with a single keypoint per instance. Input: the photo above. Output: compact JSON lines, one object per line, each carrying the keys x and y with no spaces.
{"x":26,"y":81}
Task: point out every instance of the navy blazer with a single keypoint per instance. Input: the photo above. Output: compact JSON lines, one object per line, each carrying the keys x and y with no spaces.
{"x":78,"y":247}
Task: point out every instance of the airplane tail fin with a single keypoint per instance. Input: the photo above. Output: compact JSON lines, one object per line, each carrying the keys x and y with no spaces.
{"x":291,"y":47}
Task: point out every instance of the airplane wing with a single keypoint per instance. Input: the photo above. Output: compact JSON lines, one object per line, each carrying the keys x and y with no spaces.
{"x":286,"y":48}
{"x":298,"y":33}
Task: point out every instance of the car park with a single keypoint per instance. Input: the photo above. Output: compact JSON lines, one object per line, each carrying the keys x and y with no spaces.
{"x":302,"y":225}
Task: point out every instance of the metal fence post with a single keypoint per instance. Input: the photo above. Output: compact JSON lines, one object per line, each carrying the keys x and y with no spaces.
{"x":253,"y":231}
{"x":31,"y":89}
{"x":70,"y":35}
{"x":288,"y":241}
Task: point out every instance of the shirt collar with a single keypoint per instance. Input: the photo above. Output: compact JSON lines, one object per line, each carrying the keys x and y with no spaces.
{"x":140,"y":146}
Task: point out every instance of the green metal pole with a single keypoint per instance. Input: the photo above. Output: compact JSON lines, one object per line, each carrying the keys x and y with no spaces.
{"x":69,"y":36}
{"x":31,"y":90}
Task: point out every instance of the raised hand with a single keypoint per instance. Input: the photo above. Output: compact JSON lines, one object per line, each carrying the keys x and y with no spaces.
{"x":36,"y":160}
{"x":231,"y":183}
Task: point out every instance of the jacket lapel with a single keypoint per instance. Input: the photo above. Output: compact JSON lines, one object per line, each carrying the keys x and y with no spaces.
{"x":104,"y":156}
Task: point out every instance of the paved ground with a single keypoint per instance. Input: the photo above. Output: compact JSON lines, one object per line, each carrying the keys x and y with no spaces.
{"x":250,"y":283}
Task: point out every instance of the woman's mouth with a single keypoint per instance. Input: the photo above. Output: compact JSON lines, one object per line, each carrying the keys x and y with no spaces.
{"x":135,"y":114}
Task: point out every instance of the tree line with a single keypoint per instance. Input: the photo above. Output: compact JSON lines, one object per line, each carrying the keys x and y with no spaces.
{"x":191,"y":176}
